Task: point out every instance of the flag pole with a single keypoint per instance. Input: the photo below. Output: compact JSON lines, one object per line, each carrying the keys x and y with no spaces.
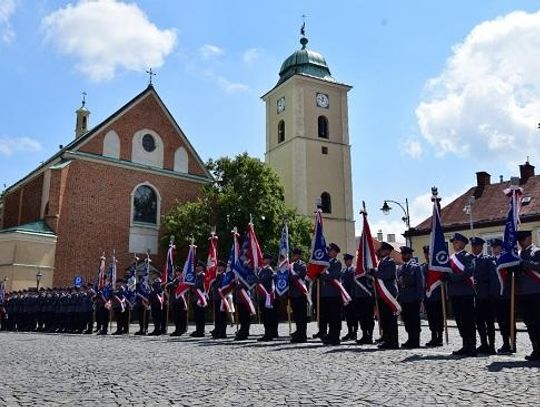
{"x":512,"y":312}
{"x":443,"y":304}
{"x":256,"y":291}
{"x":289,"y":314}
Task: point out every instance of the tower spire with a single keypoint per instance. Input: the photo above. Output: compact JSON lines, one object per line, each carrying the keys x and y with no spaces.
{"x":303,"y":39}
{"x":81,"y":125}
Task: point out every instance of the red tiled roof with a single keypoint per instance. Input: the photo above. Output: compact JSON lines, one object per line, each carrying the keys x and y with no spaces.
{"x":490,"y":207}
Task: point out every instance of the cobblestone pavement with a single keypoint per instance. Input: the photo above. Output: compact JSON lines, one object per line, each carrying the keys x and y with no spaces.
{"x":87,"y":370}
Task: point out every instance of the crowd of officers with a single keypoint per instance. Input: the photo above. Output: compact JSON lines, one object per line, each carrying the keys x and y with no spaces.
{"x":476,"y":294}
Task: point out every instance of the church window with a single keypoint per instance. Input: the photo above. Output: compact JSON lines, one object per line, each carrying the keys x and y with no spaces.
{"x":326,"y":202}
{"x":281,"y":131}
{"x":181,"y":162}
{"x":111,"y":145}
{"x":148,"y":142}
{"x":145,"y":205}
{"x":324,"y":150}
{"x":323,"y":127}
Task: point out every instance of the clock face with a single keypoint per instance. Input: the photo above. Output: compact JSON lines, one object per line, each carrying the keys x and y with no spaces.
{"x":322,"y":100}
{"x":281,"y":104}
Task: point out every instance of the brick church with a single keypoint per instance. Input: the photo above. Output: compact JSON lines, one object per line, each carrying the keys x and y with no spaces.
{"x":107,"y":189}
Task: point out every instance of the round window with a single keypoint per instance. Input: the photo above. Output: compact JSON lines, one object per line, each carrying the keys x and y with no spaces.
{"x":148,"y":142}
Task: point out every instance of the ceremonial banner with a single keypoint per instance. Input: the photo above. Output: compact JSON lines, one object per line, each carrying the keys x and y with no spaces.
{"x":143,"y":290}
{"x":282,"y":275}
{"x":101,"y":273}
{"x":438,"y":253}
{"x":319,"y":260}
{"x":131,"y":289}
{"x":227,"y":284}
{"x":2,"y":292}
{"x":211,"y":264}
{"x":365,"y":258}
{"x":509,"y":256}
{"x":250,"y":259}
{"x":189,"y":277}
{"x":168,"y":270}
{"x":112,"y":272}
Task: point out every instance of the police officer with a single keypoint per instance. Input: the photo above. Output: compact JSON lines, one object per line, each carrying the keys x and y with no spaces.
{"x":157,"y":301}
{"x":199,"y":308}
{"x":120,"y":308}
{"x":386,"y":274}
{"x":433,"y":303}
{"x":411,"y":292}
{"x":501,"y":294}
{"x":297,"y":295}
{"x":266,"y":289}
{"x":528,"y":290}
{"x":102,"y":311}
{"x":88,"y":309}
{"x":484,"y":276}
{"x":220,"y":315}
{"x":178,"y":305}
{"x":364,"y":305}
{"x":462,"y":294}
{"x":331,"y":302}
{"x":347,"y":279}
{"x":244,"y":310}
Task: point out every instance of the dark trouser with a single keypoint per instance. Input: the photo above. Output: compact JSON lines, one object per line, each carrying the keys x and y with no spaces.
{"x":157,"y":317}
{"x":40,"y":322}
{"x":103,"y":319}
{"x":365,"y":315}
{"x":199,"y":314}
{"x":142,"y":317}
{"x":388,"y":323}
{"x":502,"y":311}
{"x":164,"y":318}
{"x":122,"y":320}
{"x":244,"y":318}
{"x":333,"y":308}
{"x":529,"y":306}
{"x":351,"y":318}
{"x":410,"y":315}
{"x":179,"y":317}
{"x":88,"y":321}
{"x":464,"y":313}
{"x":485,"y":321}
{"x":220,"y":319}
{"x":269,"y":317}
{"x":435,"y":318}
{"x":299,"y":314}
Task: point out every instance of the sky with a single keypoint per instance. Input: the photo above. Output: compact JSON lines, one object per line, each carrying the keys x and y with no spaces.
{"x":441,"y":89}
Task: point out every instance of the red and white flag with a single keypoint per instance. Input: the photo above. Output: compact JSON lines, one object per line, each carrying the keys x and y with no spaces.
{"x":211,"y":265}
{"x":365,"y":258}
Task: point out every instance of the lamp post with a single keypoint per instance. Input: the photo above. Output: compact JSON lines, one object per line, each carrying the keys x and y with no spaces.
{"x":406,"y":218}
{"x":38,"y":278}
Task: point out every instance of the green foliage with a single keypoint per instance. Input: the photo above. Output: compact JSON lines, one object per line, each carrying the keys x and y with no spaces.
{"x":242,"y":187}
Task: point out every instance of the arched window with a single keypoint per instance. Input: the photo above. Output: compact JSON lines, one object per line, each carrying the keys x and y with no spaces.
{"x":281,"y":131}
{"x":145,"y":205}
{"x":323,"y":127}
{"x":181,"y":163}
{"x":326,"y":202}
{"x":111,"y":145}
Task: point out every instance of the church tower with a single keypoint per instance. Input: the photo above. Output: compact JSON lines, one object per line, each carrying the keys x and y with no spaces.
{"x":307,"y":142}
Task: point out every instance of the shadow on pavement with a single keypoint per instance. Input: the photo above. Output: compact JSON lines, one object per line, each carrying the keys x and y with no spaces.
{"x":300,"y":346}
{"x":499,"y":366}
{"x":418,"y":358}
{"x":354,"y":350}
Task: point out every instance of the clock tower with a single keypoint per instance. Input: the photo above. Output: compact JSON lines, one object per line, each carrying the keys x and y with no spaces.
{"x":307,"y":142}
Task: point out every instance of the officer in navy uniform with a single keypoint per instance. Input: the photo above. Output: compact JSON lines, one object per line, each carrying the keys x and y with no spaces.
{"x":88,"y":309}
{"x":502,"y":301}
{"x":351,"y":317}
{"x":528,"y":290}
{"x":178,"y":304}
{"x":433,"y":307}
{"x":386,"y":272}
{"x":297,"y":297}
{"x":462,"y":295}
{"x":199,"y":312}
{"x":141,"y":307}
{"x":244,"y":314}
{"x":157,"y":301}
{"x":364,"y":305}
{"x":269,"y":314}
{"x":410,"y":294}
{"x":331,"y":302}
{"x":220,"y":319}
{"x":484,"y":278}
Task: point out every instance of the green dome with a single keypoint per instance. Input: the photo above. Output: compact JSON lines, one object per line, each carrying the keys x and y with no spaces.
{"x":305,"y":62}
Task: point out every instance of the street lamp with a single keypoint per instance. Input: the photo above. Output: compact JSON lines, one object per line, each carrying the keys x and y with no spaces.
{"x":406,"y":218}
{"x":38,"y":278}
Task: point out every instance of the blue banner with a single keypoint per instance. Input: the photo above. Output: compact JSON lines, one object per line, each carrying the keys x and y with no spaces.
{"x":439,"y":259}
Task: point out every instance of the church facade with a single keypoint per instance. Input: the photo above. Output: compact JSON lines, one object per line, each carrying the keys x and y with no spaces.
{"x":308,"y":145}
{"x":106,"y":190}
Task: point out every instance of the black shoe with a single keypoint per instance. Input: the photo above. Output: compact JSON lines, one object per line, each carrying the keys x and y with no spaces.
{"x":139,"y":333}
{"x":102,"y":333}
{"x":154,"y":333}
{"x":298,"y":339}
{"x":196,"y":334}
{"x":219,"y":336}
{"x":483,"y":349}
{"x":364,"y":340}
{"x":462,"y":352}
{"x":379,"y":340}
{"x":264,"y":338}
{"x":332,"y":342}
{"x":491,"y":350}
{"x":505,"y":349}
{"x":533,"y":357}
{"x":472,"y":353}
{"x":387,"y":345}
{"x":318,"y":335}
{"x":240,"y":337}
{"x":116,"y":333}
{"x":410,"y":345}
{"x":175,"y":333}
{"x":88,"y":332}
{"x":347,"y":337}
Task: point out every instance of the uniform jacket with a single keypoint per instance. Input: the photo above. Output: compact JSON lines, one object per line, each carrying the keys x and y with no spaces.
{"x":485,"y":279}
{"x":300,"y":269}
{"x":435,"y":293}
{"x":333,"y":273}
{"x":460,"y":283}
{"x":527,"y":281}
{"x":386,"y":272}
{"x":410,"y":282}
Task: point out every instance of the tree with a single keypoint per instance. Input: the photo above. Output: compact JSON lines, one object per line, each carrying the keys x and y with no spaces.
{"x":243,"y":188}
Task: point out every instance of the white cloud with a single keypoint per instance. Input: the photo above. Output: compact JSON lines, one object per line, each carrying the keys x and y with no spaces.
{"x":105,"y":35}
{"x":224,"y":83}
{"x":413,"y":148}
{"x":7,"y":9}
{"x":9,"y":146}
{"x":485,"y":103}
{"x":208,"y":51}
{"x":250,"y":56}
